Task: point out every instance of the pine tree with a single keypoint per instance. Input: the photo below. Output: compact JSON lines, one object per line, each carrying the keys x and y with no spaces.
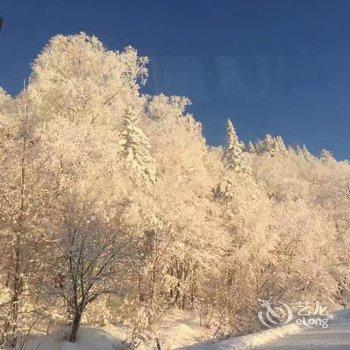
{"x":136,"y":147}
{"x":5,"y":101}
{"x":280,"y":146}
{"x":273,"y":145}
{"x":251,"y":147}
{"x":304,"y":152}
{"x":234,"y":151}
{"x":326,"y":156}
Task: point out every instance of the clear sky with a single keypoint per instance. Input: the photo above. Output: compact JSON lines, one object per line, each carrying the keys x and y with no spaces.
{"x":272,"y":66}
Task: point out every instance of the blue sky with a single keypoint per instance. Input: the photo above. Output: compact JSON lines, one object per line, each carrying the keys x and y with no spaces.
{"x":272,"y":66}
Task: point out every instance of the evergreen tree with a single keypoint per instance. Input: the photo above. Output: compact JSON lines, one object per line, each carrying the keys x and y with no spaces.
{"x":326,"y":156}
{"x":234,"y":151}
{"x":251,"y":147}
{"x":136,"y":147}
{"x":67,"y":207}
{"x":280,"y":146}
{"x":304,"y":152}
{"x":273,"y":145}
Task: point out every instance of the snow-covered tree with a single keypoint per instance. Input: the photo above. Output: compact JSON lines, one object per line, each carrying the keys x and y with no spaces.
{"x":272,"y":145}
{"x":136,"y":148}
{"x":326,"y":156}
{"x":251,"y":147}
{"x":79,"y":150}
{"x":304,"y":152}
{"x":89,"y":259}
{"x":233,"y":156}
{"x":27,"y":188}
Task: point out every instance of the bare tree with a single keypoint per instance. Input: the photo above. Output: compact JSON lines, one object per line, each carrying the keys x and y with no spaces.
{"x":91,"y":256}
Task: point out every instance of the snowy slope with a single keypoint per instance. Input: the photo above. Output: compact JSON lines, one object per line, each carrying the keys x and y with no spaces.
{"x":178,"y":332}
{"x":248,"y":341}
{"x":88,"y":339}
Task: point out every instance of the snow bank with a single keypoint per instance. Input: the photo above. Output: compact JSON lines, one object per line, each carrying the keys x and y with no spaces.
{"x":178,"y":331}
{"x":88,"y":339}
{"x":250,"y":340}
{"x":340,"y":315}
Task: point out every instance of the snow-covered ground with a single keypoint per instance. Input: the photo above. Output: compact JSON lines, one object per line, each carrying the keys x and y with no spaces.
{"x":177,"y":330}
{"x":88,"y":339}
{"x":291,"y":337}
{"x":181,"y":329}
{"x":174,"y":337}
{"x":248,"y":341}
{"x":335,"y":337}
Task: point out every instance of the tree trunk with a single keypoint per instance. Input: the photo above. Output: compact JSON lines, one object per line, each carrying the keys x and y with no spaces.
{"x":75,"y":326}
{"x":12,"y":321}
{"x":17,"y":279}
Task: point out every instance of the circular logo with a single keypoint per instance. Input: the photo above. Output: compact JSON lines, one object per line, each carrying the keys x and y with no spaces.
{"x":274,"y":316}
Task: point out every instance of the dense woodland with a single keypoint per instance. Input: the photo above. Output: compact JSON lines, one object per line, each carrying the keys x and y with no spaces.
{"x":114,"y":208}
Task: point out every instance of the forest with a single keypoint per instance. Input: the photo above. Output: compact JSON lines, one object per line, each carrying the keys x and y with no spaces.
{"x":114,"y":208}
